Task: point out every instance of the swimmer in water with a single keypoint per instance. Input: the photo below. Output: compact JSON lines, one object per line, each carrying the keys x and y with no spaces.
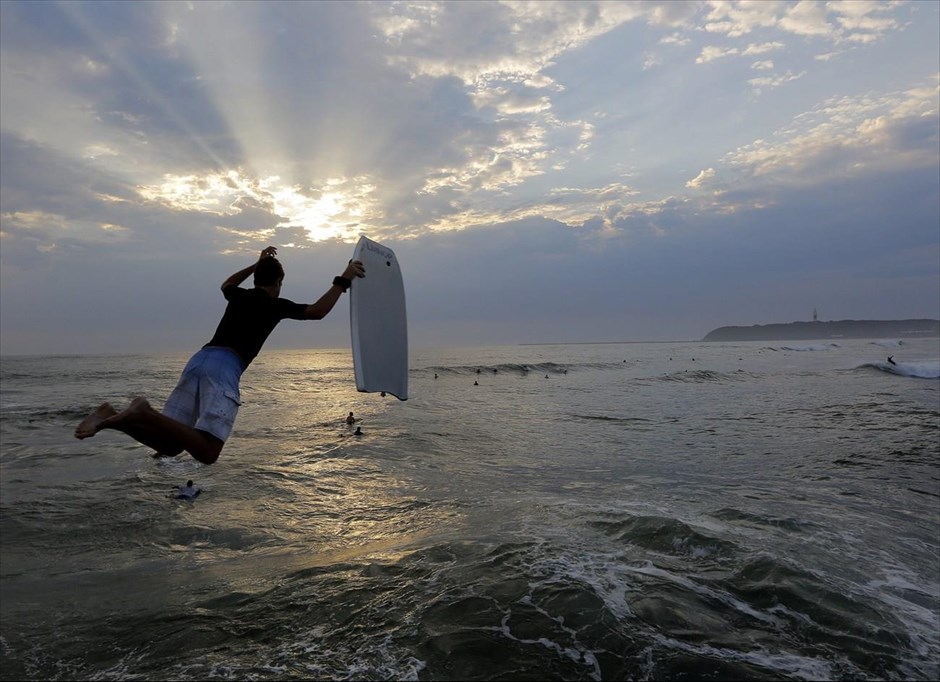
{"x":188,"y":491}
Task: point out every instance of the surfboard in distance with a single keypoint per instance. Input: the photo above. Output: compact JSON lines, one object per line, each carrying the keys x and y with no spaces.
{"x":378,"y":322}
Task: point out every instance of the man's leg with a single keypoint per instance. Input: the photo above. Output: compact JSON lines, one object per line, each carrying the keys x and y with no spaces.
{"x":156,"y":439}
{"x":145,"y":425}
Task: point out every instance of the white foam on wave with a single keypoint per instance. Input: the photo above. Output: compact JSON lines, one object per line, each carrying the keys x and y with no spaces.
{"x":603,"y":572}
{"x":787,"y":612}
{"x":648,"y":568}
{"x":802,"y":667}
{"x":810,"y":347}
{"x":918,"y":369}
{"x":900,"y":578}
{"x":921,"y":622}
{"x":885,"y":343}
{"x":577,"y":654}
{"x":308,"y":651}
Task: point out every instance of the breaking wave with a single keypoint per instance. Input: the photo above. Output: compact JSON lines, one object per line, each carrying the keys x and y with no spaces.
{"x":925,"y":369}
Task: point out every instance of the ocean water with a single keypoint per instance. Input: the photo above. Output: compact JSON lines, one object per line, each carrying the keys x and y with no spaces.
{"x":586,"y":512}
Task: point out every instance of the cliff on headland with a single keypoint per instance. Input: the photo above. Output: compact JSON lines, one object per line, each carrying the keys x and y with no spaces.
{"x":842,"y":329}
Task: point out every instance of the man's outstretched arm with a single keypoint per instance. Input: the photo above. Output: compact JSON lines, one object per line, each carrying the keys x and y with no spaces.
{"x":243,"y":274}
{"x":320,"y":309}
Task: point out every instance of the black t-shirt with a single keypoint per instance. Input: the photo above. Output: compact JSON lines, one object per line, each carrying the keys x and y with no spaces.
{"x":250,"y":316}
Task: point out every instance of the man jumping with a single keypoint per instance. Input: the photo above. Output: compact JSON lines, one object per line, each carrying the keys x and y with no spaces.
{"x":200,"y":412}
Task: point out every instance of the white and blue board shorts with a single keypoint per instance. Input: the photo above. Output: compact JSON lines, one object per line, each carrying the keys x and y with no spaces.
{"x":207,"y":395}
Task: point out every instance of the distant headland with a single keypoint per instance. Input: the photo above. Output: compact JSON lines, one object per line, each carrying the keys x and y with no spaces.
{"x":841,"y":329}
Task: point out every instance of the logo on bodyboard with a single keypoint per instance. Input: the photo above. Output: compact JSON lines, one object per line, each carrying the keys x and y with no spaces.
{"x":375,"y":248}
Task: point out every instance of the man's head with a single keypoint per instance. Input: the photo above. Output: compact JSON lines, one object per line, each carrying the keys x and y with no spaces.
{"x":269,"y":272}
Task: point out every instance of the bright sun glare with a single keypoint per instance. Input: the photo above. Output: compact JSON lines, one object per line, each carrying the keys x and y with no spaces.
{"x":341,"y":208}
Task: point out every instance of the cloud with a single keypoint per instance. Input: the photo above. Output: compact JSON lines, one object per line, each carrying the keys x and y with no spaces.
{"x":761,"y":48}
{"x":808,"y":18}
{"x":675,"y":39}
{"x":468,"y":105}
{"x":703,"y":179}
{"x":846,"y":135}
{"x":651,"y":61}
{"x":740,"y":18}
{"x":860,"y":21}
{"x":760,"y":84}
{"x":712,"y":52}
{"x":486,"y":42}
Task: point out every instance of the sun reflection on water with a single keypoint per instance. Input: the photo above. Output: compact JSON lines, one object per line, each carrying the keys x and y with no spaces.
{"x":307,"y":486}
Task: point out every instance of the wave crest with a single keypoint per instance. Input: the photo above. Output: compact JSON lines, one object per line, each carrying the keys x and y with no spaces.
{"x":925,"y":369}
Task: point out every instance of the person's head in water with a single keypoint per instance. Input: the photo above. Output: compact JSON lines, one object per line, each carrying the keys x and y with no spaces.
{"x":269,"y":272}
{"x":358,"y":431}
{"x":189,"y":484}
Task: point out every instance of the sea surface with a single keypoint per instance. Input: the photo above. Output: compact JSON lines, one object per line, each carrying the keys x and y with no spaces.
{"x":574,"y":512}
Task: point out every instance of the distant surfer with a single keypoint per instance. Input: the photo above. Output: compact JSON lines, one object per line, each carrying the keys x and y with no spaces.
{"x":891,"y":360}
{"x":200,"y":412}
{"x":350,"y":419}
{"x":188,"y":491}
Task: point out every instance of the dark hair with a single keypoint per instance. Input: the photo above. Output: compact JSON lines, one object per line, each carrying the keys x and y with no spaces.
{"x":268,"y":272}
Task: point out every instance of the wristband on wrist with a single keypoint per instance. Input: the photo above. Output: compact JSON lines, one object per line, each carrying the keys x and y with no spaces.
{"x":342,"y":282}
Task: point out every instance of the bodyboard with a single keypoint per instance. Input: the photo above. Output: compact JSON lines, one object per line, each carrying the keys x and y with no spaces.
{"x":378,"y":322}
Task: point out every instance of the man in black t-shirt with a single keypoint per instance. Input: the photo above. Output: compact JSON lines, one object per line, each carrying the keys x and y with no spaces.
{"x":200,"y":412}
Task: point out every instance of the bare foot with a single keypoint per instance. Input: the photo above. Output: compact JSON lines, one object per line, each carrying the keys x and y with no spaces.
{"x":130,"y":413}
{"x":92,"y":423}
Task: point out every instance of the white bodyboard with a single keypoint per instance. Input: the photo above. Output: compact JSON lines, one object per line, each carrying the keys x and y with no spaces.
{"x":378,"y":322}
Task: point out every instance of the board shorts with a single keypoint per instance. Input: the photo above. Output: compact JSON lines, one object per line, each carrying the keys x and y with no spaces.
{"x":207,"y":395}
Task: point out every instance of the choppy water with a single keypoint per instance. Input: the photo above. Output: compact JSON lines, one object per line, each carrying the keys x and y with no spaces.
{"x":764,"y":511}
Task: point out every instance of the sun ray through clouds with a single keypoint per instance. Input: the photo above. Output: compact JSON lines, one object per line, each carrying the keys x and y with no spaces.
{"x":76,"y":13}
{"x":290,"y":167}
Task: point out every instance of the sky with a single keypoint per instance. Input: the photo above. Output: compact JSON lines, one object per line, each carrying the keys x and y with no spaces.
{"x":546,"y":172}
